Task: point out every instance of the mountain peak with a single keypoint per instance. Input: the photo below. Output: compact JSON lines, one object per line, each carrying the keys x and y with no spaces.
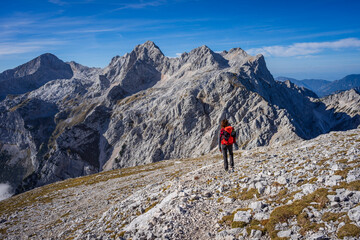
{"x":34,"y":74}
{"x":150,"y":44}
{"x":203,"y":50}
{"x":49,"y":59}
{"x":146,"y":47}
{"x":48,"y":56}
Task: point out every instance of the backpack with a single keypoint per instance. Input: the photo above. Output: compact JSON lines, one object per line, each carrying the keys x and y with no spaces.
{"x":228,"y":136}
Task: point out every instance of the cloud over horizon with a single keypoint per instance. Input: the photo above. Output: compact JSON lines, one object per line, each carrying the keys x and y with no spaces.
{"x":305,"y":48}
{"x":28,"y":46}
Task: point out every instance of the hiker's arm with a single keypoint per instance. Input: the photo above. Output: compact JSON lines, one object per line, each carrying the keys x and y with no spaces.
{"x":219,"y":140}
{"x":233,"y":134}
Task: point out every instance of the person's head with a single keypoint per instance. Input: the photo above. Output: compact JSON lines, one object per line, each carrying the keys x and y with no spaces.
{"x":224,"y":123}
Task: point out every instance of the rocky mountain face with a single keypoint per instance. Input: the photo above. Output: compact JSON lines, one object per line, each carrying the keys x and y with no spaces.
{"x":305,"y":189}
{"x":145,"y":107}
{"x":323,"y":87}
{"x":33,"y":75}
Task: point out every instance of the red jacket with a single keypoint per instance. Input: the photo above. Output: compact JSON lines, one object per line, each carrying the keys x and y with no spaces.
{"x":222,"y":135}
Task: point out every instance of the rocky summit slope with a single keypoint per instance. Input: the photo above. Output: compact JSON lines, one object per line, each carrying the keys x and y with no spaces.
{"x":299,"y":190}
{"x":145,"y":107}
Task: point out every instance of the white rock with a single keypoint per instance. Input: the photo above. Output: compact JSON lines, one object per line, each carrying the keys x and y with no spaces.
{"x":295,"y":236}
{"x":309,"y":167}
{"x":221,"y":189}
{"x":333,"y":180}
{"x":256,"y":206}
{"x":320,"y":179}
{"x":261,"y":216}
{"x":282,"y":180}
{"x":228,"y":200}
{"x":182,"y":194}
{"x":298,"y":196}
{"x":242,"y":216}
{"x":350,"y":178}
{"x":267,"y":190}
{"x":284,"y":234}
{"x":260,"y":187}
{"x":335,"y":167}
{"x":333,"y":198}
{"x":341,"y":225}
{"x":308,"y":188}
{"x":354,"y":214}
{"x":180,"y":210}
{"x":255,"y":234}
{"x":317,"y":236}
{"x":334,"y":204}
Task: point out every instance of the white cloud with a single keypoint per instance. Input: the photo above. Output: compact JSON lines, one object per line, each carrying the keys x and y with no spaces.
{"x":305,"y":49}
{"x":57,"y":2}
{"x":141,"y":4}
{"x":25,"y":47}
{"x":5,"y":191}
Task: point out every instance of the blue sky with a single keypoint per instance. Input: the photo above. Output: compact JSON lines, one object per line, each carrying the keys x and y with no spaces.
{"x":300,"y":39}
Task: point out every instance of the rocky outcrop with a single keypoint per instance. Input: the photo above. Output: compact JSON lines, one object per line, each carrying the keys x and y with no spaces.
{"x":145,"y":107}
{"x":347,"y":102}
{"x":299,"y":190}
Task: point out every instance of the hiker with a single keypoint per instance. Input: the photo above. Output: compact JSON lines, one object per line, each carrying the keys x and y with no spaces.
{"x":227,"y":138}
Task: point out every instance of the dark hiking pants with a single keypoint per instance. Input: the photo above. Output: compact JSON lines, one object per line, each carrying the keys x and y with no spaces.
{"x":225,"y":149}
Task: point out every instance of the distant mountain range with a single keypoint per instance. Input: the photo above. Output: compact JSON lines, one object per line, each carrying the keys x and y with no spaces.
{"x":324,"y":87}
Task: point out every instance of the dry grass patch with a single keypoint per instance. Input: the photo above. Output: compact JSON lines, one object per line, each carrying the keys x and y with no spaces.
{"x":276,"y":184}
{"x":352,"y":186}
{"x":344,"y":161}
{"x":23,"y":103}
{"x":133,"y":97}
{"x":228,"y":220}
{"x":332,"y":217}
{"x":348,"y":230}
{"x":342,"y":173}
{"x":151,"y":206}
{"x":284,"y":213}
{"x":323,"y":162}
{"x":256,"y":225}
{"x":243,"y":195}
{"x":306,"y":225}
{"x":76,"y":116}
{"x":3,"y":231}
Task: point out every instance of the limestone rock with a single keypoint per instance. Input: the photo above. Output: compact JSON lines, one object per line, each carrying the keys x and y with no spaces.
{"x":242,"y":216}
{"x":354,"y":214}
{"x":284,"y":234}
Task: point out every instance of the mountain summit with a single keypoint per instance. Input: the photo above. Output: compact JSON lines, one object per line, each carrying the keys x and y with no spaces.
{"x":145,"y":107}
{"x":33,"y":74}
